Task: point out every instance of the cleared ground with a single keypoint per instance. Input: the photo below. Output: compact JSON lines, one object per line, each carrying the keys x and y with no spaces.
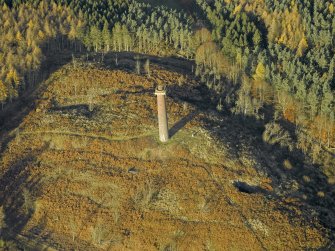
{"x":85,"y":170}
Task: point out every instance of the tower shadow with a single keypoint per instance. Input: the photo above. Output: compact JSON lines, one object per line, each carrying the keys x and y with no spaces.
{"x":181,"y":123}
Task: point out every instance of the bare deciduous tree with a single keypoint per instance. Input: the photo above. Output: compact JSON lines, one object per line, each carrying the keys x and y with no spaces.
{"x":2,"y":220}
{"x":28,"y":202}
{"x":100,"y":233}
{"x":147,"y":67}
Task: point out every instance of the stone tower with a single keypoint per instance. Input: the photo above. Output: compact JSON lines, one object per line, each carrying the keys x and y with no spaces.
{"x":162,"y":115}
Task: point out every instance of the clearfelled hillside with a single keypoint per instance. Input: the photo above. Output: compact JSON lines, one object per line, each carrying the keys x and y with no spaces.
{"x":84,"y":169}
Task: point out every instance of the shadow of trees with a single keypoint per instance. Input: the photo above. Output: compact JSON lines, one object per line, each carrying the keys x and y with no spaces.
{"x":14,"y":113}
{"x":127,"y":60}
{"x":18,"y":186}
{"x":304,"y":185}
{"x":19,"y":189}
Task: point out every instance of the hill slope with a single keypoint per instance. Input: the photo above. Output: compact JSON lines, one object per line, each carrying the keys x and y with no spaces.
{"x":85,"y":170}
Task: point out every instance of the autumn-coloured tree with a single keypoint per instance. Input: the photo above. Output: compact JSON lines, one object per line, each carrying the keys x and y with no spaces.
{"x":3,"y":93}
{"x":202,"y":36}
{"x":261,"y":89}
{"x":106,"y":37}
{"x":302,"y":46}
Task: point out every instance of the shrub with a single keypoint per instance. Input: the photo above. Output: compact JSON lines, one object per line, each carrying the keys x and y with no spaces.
{"x":321,"y":194}
{"x":275,"y":134}
{"x":331,"y":181}
{"x":287,"y":164}
{"x":144,"y":197}
{"x":2,"y":221}
{"x":306,"y":178}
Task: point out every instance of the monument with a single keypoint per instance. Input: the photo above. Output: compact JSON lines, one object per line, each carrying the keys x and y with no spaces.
{"x":162,"y":115}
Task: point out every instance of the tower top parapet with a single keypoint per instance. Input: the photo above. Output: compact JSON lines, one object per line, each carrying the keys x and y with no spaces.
{"x":160,"y":90}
